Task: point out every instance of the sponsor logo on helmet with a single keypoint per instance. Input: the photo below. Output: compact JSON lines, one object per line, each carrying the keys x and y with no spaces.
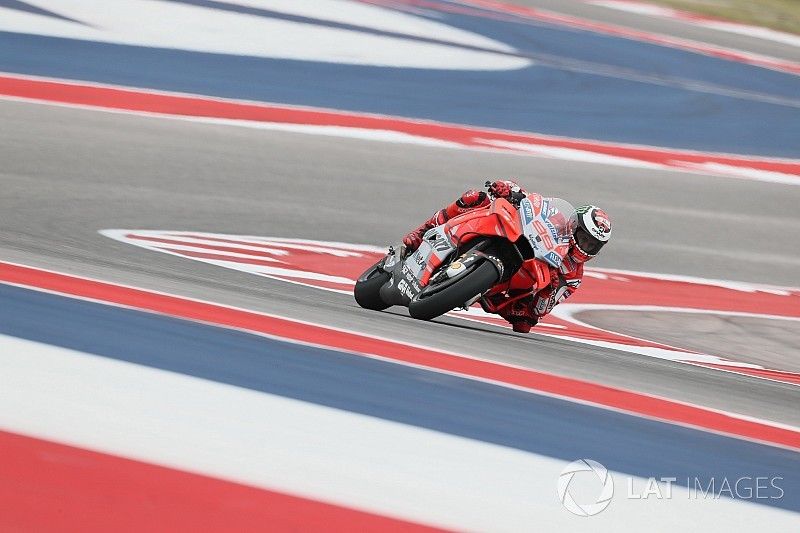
{"x":602,"y":221}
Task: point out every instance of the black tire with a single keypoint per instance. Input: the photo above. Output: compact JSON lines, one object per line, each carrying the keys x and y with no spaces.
{"x":430,"y":304}
{"x":367,"y":291}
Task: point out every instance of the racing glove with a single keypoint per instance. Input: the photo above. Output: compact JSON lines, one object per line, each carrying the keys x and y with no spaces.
{"x":506,"y":189}
{"x":500,"y":188}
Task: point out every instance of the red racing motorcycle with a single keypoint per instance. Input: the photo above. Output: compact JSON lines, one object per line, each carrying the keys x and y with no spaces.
{"x":483,"y":253}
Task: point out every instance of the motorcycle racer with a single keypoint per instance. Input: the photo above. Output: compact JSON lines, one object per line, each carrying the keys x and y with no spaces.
{"x":591,"y":233}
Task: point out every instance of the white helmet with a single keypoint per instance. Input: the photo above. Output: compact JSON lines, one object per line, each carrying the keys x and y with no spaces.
{"x":591,"y":234}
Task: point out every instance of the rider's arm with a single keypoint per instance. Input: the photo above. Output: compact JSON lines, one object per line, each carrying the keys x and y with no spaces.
{"x":562,"y":286}
{"x":471,"y":199}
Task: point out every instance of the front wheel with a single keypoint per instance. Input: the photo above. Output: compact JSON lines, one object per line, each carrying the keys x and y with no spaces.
{"x":367,"y":291}
{"x":431,"y":303}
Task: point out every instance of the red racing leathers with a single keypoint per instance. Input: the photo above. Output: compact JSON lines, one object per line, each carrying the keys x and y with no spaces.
{"x":523,"y":313}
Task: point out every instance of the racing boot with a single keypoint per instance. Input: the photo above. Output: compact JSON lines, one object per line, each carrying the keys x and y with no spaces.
{"x":521,"y":315}
{"x":414,"y":238}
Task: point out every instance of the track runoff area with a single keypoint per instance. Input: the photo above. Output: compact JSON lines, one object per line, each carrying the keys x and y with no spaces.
{"x":174,"y":414}
{"x":200,"y":397}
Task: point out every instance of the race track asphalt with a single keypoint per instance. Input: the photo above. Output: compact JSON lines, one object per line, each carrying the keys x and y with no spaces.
{"x":67,"y":173}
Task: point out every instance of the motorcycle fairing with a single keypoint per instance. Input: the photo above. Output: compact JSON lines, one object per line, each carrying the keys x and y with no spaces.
{"x":505,"y":223}
{"x":547,"y":224}
{"x":436,"y":246}
{"x":403,"y":285}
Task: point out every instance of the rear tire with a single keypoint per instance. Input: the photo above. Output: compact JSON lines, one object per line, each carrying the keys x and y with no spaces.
{"x":367,"y":290}
{"x":477,"y":281}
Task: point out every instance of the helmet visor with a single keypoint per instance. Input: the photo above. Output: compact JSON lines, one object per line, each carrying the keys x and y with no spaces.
{"x":586,"y":242}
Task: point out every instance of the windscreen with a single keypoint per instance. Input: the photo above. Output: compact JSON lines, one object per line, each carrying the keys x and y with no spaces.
{"x":562,"y":216}
{"x":548,"y":225}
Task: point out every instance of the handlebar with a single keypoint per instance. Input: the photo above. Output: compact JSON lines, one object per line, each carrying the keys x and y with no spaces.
{"x":514,"y":198}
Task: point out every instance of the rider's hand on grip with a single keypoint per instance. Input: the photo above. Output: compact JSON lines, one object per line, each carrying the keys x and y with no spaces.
{"x":412,"y":241}
{"x":499,"y":189}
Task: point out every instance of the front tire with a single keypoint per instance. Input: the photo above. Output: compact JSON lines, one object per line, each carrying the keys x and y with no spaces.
{"x":367,"y":290}
{"x":435,"y":303}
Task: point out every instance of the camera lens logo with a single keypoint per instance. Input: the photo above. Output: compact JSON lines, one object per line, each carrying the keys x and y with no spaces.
{"x":567,"y":479}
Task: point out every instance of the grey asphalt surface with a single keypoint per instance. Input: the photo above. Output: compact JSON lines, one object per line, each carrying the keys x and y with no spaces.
{"x":761,"y":341}
{"x":67,"y":173}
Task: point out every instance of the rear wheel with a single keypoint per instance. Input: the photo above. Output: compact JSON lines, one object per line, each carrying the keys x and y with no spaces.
{"x":431,"y":302}
{"x":368,"y":288}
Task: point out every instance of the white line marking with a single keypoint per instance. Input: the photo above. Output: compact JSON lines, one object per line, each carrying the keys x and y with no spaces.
{"x":317,"y":452}
{"x":173,"y":25}
{"x":531,"y":149}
